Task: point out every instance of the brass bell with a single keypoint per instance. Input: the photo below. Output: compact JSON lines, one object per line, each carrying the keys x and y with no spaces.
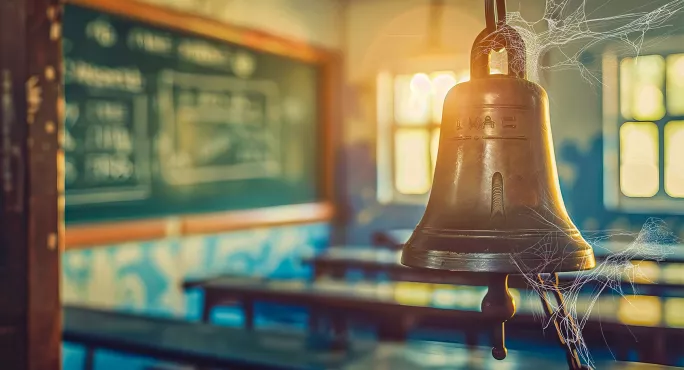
{"x":495,"y":204}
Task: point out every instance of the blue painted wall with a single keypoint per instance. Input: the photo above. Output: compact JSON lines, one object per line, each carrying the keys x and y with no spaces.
{"x":146,"y":277}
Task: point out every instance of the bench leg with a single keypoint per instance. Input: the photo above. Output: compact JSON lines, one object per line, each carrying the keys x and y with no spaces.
{"x":471,"y":339}
{"x":657,"y":353}
{"x":207,"y":306}
{"x":340,"y":331}
{"x":248,"y":310}
{"x":314,"y":321}
{"x":89,"y":361}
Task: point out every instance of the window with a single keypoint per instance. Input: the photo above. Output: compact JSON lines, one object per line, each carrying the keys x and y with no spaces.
{"x":650,"y":131}
{"x":409,"y":116}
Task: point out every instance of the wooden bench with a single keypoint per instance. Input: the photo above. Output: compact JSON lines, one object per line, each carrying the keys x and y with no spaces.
{"x":336,"y":262}
{"x":395,"y":308}
{"x":393,"y":239}
{"x":198,"y":344}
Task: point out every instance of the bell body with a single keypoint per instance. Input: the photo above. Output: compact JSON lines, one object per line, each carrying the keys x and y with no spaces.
{"x":495,"y":204}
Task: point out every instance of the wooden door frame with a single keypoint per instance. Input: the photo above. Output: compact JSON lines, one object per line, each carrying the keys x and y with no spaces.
{"x":30,"y":203}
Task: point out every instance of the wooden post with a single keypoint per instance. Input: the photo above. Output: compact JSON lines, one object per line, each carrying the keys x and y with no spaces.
{"x":30,"y":217}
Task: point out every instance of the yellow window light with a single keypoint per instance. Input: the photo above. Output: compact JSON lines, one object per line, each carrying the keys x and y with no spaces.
{"x":413,"y":294}
{"x":639,"y":171}
{"x":674,"y":158}
{"x":675,"y":84}
{"x":412,"y":165}
{"x":640,"y":310}
{"x":674,"y":312}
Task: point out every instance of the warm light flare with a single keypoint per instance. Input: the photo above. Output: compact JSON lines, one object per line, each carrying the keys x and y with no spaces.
{"x":675,"y":84}
{"x":674,"y":156}
{"x":639,"y":171}
{"x":641,"y":87}
{"x":413,"y":175}
{"x":421,"y":84}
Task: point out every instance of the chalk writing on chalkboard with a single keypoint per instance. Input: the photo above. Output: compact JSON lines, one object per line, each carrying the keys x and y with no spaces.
{"x":162,"y":121}
{"x":107,"y":151}
{"x":217,"y":128}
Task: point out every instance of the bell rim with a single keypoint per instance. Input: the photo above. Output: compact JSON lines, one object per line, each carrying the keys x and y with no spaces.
{"x":496,"y":233}
{"x":579,"y":260}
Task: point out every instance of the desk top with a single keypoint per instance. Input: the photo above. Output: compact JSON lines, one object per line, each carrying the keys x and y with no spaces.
{"x":443,"y":356}
{"x":222,"y":346}
{"x":201,"y":343}
{"x":640,"y":274}
{"x":449,"y":301}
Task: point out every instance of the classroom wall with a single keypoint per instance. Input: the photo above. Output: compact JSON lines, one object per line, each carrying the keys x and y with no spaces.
{"x":317,"y":22}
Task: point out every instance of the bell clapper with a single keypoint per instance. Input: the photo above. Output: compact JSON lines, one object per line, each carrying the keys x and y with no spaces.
{"x":498,"y":304}
{"x":563,"y":321}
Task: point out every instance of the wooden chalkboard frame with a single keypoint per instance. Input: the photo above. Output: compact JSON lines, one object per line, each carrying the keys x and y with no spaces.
{"x":107,"y":233}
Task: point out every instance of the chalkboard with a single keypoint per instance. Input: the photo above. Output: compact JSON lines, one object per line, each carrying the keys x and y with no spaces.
{"x":161,"y":121}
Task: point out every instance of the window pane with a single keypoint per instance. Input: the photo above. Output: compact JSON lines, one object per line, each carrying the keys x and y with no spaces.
{"x":641,"y":88}
{"x":442,"y":82}
{"x":413,"y":294}
{"x":675,"y":84}
{"x":434,"y":145}
{"x":626,"y":87}
{"x":674,"y":159}
{"x":640,"y":310}
{"x":412,"y":171}
{"x":412,"y":99}
{"x":674,"y":312}
{"x":639,"y":159}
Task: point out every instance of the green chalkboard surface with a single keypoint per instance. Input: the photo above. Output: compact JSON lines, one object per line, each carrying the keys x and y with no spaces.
{"x":164,"y":122}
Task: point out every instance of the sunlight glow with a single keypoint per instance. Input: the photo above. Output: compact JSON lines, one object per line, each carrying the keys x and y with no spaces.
{"x":641,"y":87}
{"x":639,"y":172}
{"x":442,"y":82}
{"x":411,"y":103}
{"x":644,"y":272}
{"x":674,"y":159}
{"x":421,"y":84}
{"x":433,"y":149}
{"x":674,"y":312}
{"x":498,"y":62}
{"x":411,"y":161}
{"x":675,"y":84}
{"x":413,"y":294}
{"x":418,"y":101}
{"x":640,"y":310}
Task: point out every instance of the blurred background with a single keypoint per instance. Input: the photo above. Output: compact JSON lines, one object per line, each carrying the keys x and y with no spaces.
{"x":296,"y":140}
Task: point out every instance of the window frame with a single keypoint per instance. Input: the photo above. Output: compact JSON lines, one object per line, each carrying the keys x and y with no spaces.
{"x":387,"y":126}
{"x":613,"y":198}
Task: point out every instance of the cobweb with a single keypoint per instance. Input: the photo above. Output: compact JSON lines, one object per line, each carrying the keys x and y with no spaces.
{"x":573,"y":27}
{"x":570,"y":28}
{"x":653,"y":243}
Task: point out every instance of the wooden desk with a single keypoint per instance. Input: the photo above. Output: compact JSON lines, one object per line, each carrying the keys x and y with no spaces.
{"x":204,"y":345}
{"x":644,"y":278}
{"x":200,"y":344}
{"x":396,"y":307}
{"x":393,"y":239}
{"x":442,"y":356}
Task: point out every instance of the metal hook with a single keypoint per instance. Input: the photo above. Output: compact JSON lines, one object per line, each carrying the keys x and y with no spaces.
{"x":495,"y":19}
